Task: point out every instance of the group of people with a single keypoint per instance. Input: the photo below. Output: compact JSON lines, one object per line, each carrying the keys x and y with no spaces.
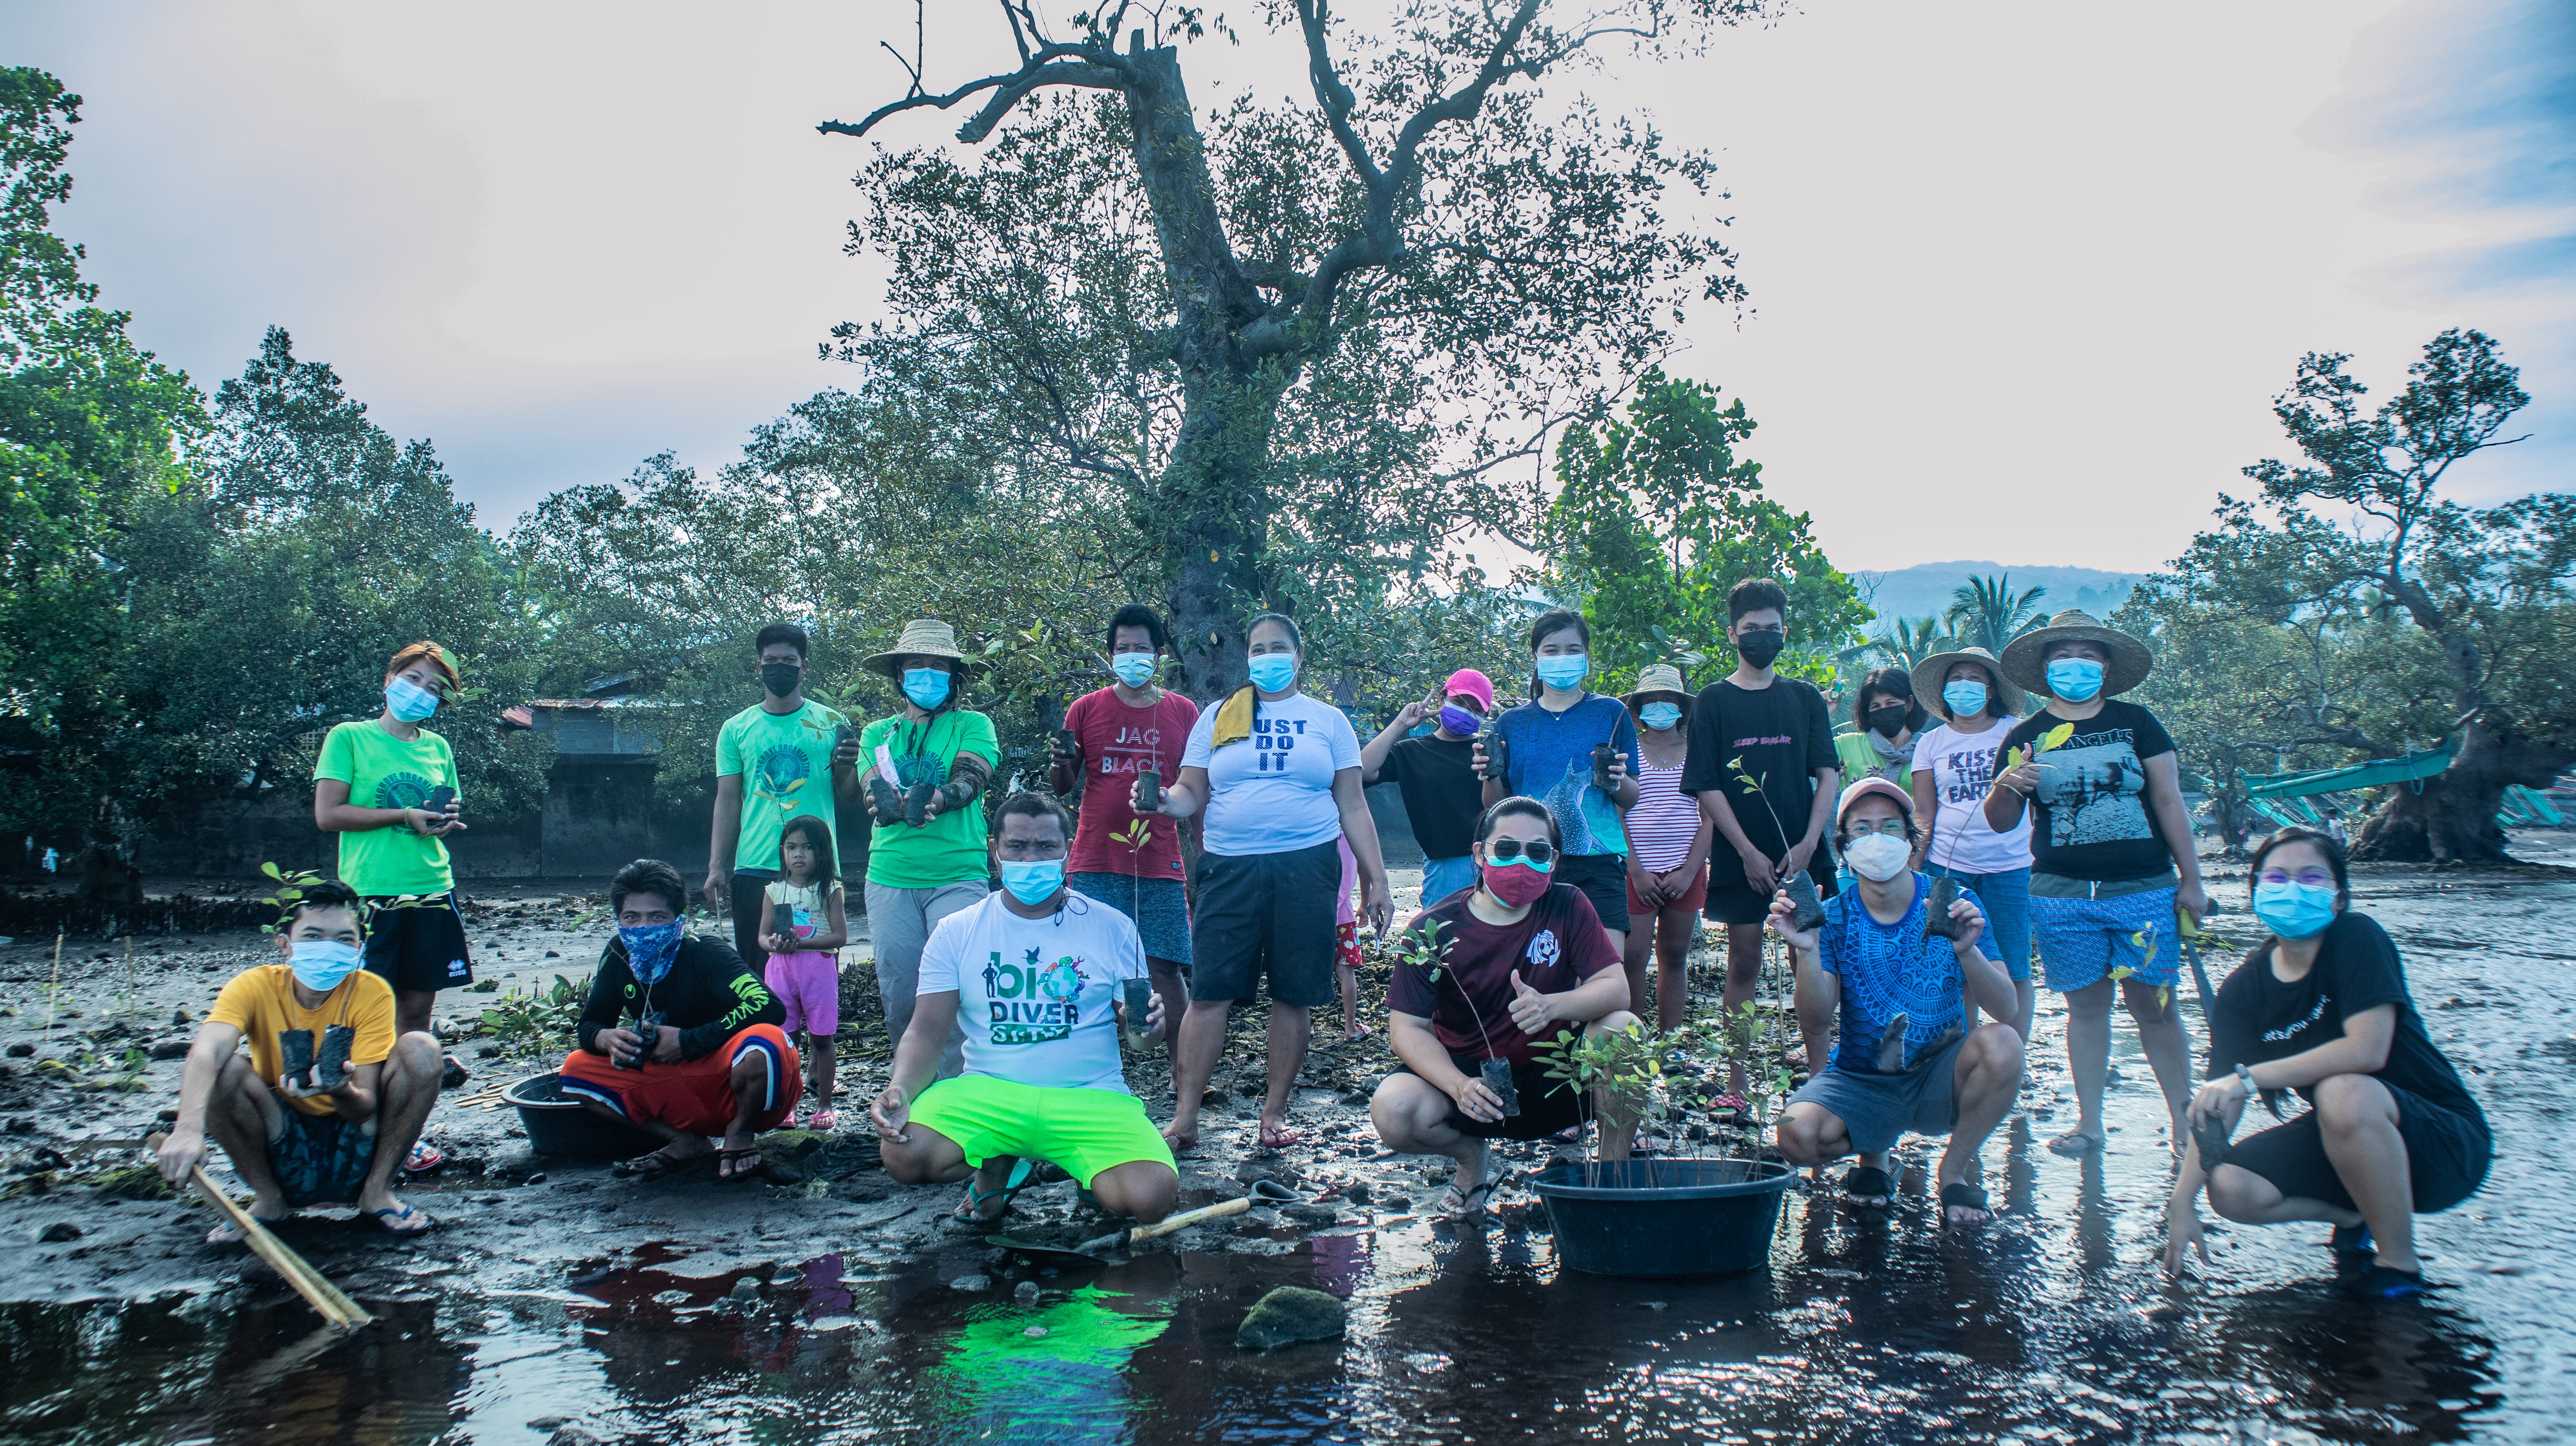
{"x":1985,"y":813}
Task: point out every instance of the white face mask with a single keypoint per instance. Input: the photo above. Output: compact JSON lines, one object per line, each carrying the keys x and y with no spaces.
{"x":1877,"y":857}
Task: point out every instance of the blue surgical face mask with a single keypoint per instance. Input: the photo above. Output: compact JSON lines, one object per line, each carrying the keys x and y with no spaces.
{"x":2294,"y":911}
{"x":650,"y":948}
{"x":1564,"y":670}
{"x":2075,"y":679}
{"x":320,"y":964}
{"x":1132,"y":668}
{"x":1033,"y":881}
{"x":409,"y":701}
{"x":1966,"y":699}
{"x":926,"y":687}
{"x":1459,"y":722}
{"x":1273,"y":672}
{"x":1660,"y":716}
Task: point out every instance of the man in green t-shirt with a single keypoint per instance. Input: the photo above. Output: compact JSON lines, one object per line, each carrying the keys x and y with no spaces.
{"x":772,"y":760}
{"x":388,"y":788}
{"x":926,"y":855}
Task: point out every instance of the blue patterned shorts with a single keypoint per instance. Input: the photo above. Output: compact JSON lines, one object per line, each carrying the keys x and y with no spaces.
{"x":1159,"y":908}
{"x":2080,"y":941}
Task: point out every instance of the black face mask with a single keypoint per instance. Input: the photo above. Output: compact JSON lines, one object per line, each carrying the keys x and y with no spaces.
{"x":780,"y":678}
{"x":1889,"y":720}
{"x":1760,"y":646}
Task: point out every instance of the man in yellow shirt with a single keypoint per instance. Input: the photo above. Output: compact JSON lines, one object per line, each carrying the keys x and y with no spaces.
{"x":329,"y":1099}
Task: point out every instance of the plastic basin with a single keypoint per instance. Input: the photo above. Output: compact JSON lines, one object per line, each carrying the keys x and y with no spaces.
{"x":559,"y":1124}
{"x":1659,"y":1217}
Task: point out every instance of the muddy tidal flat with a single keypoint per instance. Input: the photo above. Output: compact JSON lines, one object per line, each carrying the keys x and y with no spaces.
{"x":557,"y":1303}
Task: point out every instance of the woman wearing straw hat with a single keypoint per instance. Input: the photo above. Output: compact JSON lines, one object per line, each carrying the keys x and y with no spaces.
{"x":1668,"y":842}
{"x":2112,"y":854}
{"x":926,"y":856}
{"x":1954,"y":769}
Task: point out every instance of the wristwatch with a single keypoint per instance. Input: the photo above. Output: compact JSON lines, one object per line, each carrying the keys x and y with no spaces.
{"x":2245,"y":1077}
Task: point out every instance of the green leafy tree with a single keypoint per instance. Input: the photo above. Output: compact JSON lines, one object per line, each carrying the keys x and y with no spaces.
{"x":1655,"y":519}
{"x":1986,"y":613}
{"x":2412,"y":619}
{"x":1293,"y":342}
{"x":1905,"y":643}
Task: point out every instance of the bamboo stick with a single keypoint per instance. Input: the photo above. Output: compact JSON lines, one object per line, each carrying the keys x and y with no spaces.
{"x":328,"y":1300}
{"x":54,"y":987}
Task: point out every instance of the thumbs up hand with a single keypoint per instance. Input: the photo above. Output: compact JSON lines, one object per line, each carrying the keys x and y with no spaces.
{"x":1531,"y":1010}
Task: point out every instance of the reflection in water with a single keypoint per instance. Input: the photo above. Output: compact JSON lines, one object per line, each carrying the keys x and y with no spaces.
{"x":1053,"y":1374}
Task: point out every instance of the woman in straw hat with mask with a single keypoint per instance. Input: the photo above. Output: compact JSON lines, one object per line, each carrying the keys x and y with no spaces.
{"x":1668,"y":843}
{"x":2112,"y":853}
{"x":1954,"y":769}
{"x":926,"y":855}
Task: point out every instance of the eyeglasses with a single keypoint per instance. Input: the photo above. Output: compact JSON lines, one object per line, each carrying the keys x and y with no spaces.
{"x":2313,"y":878}
{"x":1893,"y":827}
{"x":1504,"y":850}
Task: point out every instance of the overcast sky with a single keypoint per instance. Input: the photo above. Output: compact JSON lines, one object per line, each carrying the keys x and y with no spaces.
{"x":2024,"y":275}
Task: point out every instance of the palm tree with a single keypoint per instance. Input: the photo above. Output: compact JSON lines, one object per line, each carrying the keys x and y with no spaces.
{"x":1985,"y":612}
{"x":1907,"y":642}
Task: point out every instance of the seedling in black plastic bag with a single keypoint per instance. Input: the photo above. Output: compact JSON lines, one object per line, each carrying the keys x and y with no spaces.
{"x":648,"y":1033}
{"x":1603,"y":758}
{"x":1937,"y":923}
{"x":337,"y":1040}
{"x":1809,"y":911}
{"x":297,"y":1045}
{"x":1497,"y":1075}
{"x":1149,"y":789}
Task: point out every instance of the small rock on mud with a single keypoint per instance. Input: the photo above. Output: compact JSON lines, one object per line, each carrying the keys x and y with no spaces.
{"x":1291,"y":1314}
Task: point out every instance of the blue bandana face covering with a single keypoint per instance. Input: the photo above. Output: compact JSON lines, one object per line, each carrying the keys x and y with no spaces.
{"x":1033,"y":881}
{"x":1660,"y":716}
{"x":1564,"y":670}
{"x":926,"y":687}
{"x":1273,"y":672}
{"x":2075,"y":679}
{"x":409,"y":701}
{"x":650,"y":948}
{"x":1966,"y":700}
{"x":1132,"y":668}
{"x":2293,"y":910}
{"x":320,"y":964}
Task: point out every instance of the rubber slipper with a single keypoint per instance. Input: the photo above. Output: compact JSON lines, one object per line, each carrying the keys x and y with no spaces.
{"x":730,"y":1168}
{"x":1965,"y":1196}
{"x":1867,"y":1180}
{"x":972,"y":1207}
{"x":651,"y":1166}
{"x":826,"y":1121}
{"x":390,"y":1221}
{"x":2382,"y":1282}
{"x":2077,"y":1142}
{"x":2354,"y":1251}
{"x":1468,"y":1204}
{"x":239,"y":1242}
{"x":424,"y":1157}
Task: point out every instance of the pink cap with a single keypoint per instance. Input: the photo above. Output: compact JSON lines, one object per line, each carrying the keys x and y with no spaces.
{"x":1863,"y":788}
{"x":1472,"y":683}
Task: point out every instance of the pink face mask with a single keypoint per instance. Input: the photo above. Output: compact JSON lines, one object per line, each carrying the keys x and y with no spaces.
{"x":1519,"y":882}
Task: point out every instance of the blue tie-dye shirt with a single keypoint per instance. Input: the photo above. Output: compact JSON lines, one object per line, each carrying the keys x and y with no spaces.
{"x":1551,"y":761}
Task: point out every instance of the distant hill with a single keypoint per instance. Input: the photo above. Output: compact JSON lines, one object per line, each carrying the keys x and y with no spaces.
{"x":1924,"y":589}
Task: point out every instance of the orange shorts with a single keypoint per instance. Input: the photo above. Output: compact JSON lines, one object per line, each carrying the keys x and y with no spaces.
{"x":694,"y":1096}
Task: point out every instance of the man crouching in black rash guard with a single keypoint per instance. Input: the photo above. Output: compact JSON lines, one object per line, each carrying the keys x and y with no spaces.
{"x":2321,"y":1007}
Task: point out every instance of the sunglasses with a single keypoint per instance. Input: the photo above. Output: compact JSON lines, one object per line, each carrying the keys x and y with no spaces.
{"x":1504,"y":850}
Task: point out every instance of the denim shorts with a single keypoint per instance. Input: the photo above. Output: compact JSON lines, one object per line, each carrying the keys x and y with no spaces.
{"x":1443,"y":877}
{"x":1159,"y":908}
{"x":2006,"y":897}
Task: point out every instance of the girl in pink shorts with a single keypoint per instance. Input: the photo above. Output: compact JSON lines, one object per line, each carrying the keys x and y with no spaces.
{"x":803,"y":928}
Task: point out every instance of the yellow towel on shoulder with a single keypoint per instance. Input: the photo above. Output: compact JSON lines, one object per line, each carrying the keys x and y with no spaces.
{"x":1233,"y":718}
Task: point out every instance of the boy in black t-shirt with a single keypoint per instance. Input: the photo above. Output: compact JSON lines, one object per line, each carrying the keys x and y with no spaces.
{"x":2322,"y":1008}
{"x":1755,"y":723}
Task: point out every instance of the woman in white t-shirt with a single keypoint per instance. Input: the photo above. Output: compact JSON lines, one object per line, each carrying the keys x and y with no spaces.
{"x":1279,"y":775}
{"x":1954,"y":766}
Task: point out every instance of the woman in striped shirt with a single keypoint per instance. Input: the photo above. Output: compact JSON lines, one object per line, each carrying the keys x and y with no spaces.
{"x":1668,"y":841}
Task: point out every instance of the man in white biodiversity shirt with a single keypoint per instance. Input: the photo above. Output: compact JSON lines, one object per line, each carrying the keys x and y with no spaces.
{"x":1036,"y":974}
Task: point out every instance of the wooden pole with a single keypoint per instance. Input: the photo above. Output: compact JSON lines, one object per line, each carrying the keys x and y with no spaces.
{"x":53,"y":987}
{"x":129,"y":976}
{"x":326,"y":1299}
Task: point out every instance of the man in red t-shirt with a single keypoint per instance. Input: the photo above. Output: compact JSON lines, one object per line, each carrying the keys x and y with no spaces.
{"x":1131,"y":864}
{"x":1524,"y":958}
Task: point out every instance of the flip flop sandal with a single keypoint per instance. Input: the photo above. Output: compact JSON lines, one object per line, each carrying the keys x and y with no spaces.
{"x":971,"y":1209}
{"x":1469,"y":1204}
{"x":390,"y":1221}
{"x":2077,"y":1142}
{"x":242,"y":1242}
{"x":2382,"y":1282}
{"x":826,"y":1121}
{"x":424,"y":1157}
{"x":1867,"y":1180}
{"x":1965,"y":1196}
{"x":729,"y":1167}
{"x":2354,"y":1251}
{"x":651,"y":1166}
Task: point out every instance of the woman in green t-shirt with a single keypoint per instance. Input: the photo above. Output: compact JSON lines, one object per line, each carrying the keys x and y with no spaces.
{"x":388,"y":788}
{"x":926,"y":855}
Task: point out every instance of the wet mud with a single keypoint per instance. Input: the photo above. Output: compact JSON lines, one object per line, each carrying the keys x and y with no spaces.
{"x":557,"y":1303}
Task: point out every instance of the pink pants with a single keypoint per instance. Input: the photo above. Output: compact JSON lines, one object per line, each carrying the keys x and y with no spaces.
{"x":809,"y":985}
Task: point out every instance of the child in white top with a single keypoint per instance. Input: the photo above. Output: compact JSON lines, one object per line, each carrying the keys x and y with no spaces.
{"x":803,"y":927}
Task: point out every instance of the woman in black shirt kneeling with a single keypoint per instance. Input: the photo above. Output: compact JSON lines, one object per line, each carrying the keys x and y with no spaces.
{"x":2321,"y":1007}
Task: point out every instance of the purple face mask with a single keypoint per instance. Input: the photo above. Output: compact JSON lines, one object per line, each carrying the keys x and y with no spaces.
{"x":1459,"y":722}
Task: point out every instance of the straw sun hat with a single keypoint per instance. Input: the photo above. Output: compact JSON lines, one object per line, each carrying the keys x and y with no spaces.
{"x":1659,"y":679}
{"x":1934,"y":671}
{"x":2024,"y":658}
{"x":922,"y":638}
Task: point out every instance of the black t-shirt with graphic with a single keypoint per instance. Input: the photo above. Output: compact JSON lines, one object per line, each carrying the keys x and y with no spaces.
{"x":2089,"y":815}
{"x":1442,"y":794}
{"x":2258,"y":1018}
{"x":1780,"y":735}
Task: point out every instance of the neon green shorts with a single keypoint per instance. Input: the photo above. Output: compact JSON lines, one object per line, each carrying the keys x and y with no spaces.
{"x":1083,"y":1131}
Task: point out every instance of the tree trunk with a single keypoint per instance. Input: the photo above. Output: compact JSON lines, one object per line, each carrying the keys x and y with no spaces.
{"x":2451,"y":818}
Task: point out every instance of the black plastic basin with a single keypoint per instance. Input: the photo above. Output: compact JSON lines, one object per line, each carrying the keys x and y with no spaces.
{"x":1660,"y":1217}
{"x":560,"y":1124}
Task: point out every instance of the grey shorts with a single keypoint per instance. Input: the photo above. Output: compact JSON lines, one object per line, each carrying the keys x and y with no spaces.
{"x":1159,"y":908}
{"x":1878,"y":1109}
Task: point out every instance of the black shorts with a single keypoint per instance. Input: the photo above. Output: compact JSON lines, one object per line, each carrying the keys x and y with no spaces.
{"x":1603,"y":878}
{"x":1548,"y":1106}
{"x":1268,"y":914}
{"x":2447,"y":1153}
{"x":1735,"y":902}
{"x":750,"y":887}
{"x":418,"y":948}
